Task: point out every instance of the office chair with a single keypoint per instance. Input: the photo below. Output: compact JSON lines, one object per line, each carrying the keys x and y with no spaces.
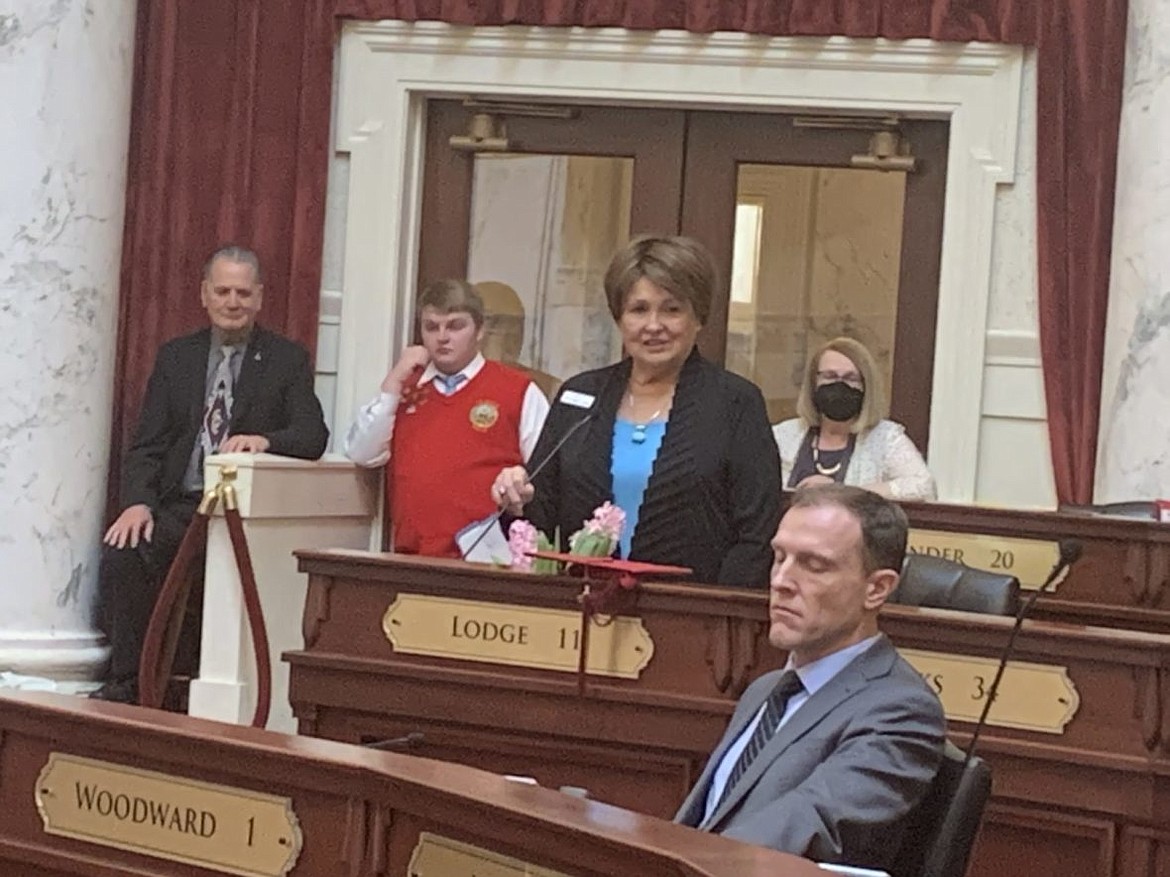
{"x":944,"y":584}
{"x":943,"y":828}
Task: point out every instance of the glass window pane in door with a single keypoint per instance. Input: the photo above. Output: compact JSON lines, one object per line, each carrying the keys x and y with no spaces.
{"x":817,"y":254}
{"x":543,"y":229}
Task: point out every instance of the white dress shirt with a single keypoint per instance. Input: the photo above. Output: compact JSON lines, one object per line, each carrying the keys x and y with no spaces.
{"x":814,"y":676}
{"x":368,"y":441}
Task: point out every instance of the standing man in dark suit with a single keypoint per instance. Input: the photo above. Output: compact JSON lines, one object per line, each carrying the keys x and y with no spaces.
{"x":232,"y":387}
{"x":827,"y":757}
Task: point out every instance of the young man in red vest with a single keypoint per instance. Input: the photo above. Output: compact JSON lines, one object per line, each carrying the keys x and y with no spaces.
{"x":445,"y":422}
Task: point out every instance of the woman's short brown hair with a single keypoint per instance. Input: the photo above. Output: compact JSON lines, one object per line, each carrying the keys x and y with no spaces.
{"x":451,"y":296}
{"x":875,"y":406}
{"x":680,"y":265}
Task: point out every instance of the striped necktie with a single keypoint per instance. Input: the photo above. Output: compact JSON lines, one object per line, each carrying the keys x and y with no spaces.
{"x":450,"y":382}
{"x":788,"y":685}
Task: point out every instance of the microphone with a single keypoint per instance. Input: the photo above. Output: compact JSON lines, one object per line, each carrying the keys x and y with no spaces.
{"x":413,"y":740}
{"x":1070,"y":553}
{"x":548,"y":458}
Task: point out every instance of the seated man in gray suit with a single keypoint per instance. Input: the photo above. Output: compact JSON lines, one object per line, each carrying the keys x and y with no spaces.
{"x":827,"y":757}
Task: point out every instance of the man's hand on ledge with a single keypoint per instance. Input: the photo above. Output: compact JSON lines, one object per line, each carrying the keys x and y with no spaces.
{"x":244,"y":444}
{"x":136,"y":523}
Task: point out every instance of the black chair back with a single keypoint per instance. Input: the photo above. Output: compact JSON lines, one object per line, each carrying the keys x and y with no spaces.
{"x":943,"y":828}
{"x":944,"y":584}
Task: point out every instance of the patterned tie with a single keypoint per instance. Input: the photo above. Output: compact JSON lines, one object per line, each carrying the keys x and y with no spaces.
{"x":788,"y":685}
{"x":450,"y":382}
{"x":217,"y":415}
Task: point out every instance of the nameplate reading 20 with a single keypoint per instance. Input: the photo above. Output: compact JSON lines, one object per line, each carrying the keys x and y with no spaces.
{"x":520,"y":636}
{"x":218,"y":828}
{"x":1031,"y":697}
{"x":438,"y":856}
{"x":1029,"y":560}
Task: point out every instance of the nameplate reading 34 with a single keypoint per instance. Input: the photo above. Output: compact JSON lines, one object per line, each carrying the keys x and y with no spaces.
{"x":1031,"y":697}
{"x":520,"y":636}
{"x":1029,"y":560}
{"x":218,"y":828}
{"x":438,"y":856}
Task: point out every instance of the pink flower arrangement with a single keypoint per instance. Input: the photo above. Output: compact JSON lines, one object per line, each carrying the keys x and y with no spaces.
{"x":598,"y":537}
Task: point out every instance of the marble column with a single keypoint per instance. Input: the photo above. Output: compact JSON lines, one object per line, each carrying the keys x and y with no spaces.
{"x":65,"y":79}
{"x":1133,"y":459}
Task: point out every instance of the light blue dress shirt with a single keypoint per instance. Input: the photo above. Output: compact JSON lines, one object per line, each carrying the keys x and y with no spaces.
{"x":814,"y":676}
{"x":630,"y":467}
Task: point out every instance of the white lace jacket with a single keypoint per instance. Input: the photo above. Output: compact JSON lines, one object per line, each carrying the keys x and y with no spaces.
{"x":883,"y":454}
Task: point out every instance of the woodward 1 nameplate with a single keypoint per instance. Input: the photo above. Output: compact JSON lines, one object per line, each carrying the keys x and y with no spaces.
{"x":438,"y":856}
{"x":218,"y":828}
{"x":520,"y":636}
{"x":1029,"y":560}
{"x":1032,"y":697}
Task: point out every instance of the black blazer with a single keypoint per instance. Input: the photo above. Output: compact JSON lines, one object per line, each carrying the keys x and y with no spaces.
{"x":273,"y":397}
{"x":713,"y":500}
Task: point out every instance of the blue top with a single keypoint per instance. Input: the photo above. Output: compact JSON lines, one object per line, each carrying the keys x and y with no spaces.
{"x":635,"y":447}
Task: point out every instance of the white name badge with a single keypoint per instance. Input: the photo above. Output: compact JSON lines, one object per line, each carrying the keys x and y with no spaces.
{"x":577,"y":400}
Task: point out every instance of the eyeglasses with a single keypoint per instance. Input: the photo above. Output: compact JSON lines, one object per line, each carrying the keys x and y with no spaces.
{"x":853,"y":379}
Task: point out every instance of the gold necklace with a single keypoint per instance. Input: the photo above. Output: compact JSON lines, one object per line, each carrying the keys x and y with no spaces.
{"x":816,"y":455}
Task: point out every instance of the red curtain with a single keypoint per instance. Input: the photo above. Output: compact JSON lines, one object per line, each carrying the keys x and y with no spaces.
{"x":229,"y":143}
{"x":231,"y":126}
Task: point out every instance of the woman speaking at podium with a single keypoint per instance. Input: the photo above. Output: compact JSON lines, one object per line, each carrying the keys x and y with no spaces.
{"x":681,"y":445}
{"x":840,"y":434}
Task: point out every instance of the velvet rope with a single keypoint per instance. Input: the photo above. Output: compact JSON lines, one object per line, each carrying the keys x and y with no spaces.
{"x":166,"y":621}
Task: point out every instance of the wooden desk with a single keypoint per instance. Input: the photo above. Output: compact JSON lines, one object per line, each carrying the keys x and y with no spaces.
{"x":1090,"y":801}
{"x":360,"y":812}
{"x":1121,"y":580}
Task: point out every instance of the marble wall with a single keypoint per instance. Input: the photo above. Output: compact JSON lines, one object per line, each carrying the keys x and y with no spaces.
{"x":1133,"y":460}
{"x":547,"y":226}
{"x":65,"y":80}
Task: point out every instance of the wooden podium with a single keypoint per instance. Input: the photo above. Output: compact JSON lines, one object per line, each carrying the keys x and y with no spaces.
{"x":1079,"y":741}
{"x":105,"y":790}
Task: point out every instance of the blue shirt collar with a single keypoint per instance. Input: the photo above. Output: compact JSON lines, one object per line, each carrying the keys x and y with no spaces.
{"x":815,"y":675}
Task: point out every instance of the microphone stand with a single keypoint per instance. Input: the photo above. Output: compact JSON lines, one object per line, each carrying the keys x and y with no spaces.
{"x":1070,"y":552}
{"x":547,"y":459}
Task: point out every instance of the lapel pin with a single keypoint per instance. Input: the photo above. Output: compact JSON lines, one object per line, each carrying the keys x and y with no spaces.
{"x":257,"y":356}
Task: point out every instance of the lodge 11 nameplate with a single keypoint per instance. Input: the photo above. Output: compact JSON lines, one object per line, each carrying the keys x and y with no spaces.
{"x":1029,"y":560}
{"x":521,"y":636}
{"x":1032,"y":697}
{"x":218,"y":828}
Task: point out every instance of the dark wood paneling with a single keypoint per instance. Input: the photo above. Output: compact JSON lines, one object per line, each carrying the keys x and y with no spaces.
{"x":360,"y":812}
{"x":1058,"y":798}
{"x":1120,"y":580}
{"x":1047,"y":843}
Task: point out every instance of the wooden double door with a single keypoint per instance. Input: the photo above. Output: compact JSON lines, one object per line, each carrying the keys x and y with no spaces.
{"x":808,"y":244}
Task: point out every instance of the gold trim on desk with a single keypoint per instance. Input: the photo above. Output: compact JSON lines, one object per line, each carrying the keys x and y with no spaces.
{"x":1029,"y":560}
{"x":438,"y":856}
{"x":215,"y":827}
{"x":1031,"y":697}
{"x":519,"y":636}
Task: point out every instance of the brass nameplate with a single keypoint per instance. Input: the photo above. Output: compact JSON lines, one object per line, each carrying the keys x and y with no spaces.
{"x":1029,"y":560}
{"x":220,"y":828}
{"x":1032,"y":697}
{"x":438,"y":856}
{"x":521,"y":636}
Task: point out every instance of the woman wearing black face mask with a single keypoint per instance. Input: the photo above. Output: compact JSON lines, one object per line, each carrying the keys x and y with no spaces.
{"x":840,"y":434}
